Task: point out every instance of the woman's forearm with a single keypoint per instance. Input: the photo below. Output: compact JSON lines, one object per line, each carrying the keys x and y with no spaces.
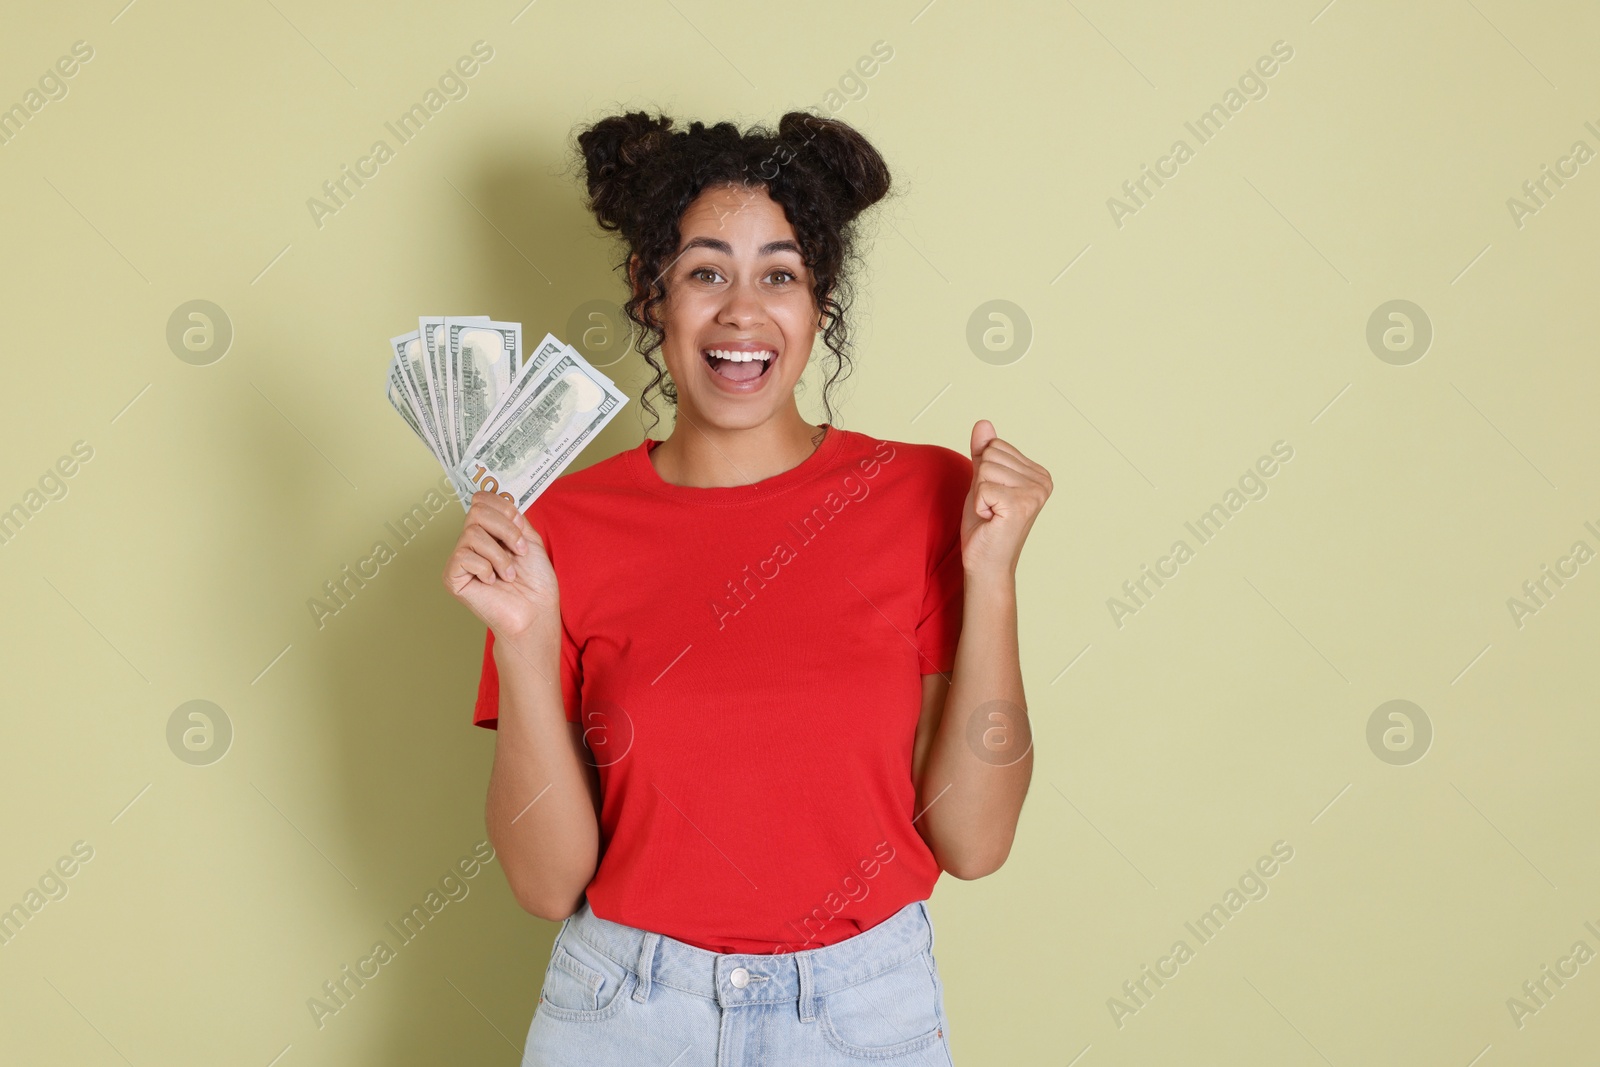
{"x":981,"y":758}
{"x":543,"y":809}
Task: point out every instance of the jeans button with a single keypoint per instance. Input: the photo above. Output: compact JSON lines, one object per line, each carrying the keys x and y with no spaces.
{"x":739,"y":977}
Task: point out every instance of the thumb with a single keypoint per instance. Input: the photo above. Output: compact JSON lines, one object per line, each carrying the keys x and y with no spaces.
{"x":982,"y":434}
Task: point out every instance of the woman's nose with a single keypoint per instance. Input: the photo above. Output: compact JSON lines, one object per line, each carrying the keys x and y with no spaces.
{"x":744,"y":305}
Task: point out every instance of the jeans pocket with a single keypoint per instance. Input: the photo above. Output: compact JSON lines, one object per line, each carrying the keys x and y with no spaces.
{"x":582,"y":984}
{"x":893,"y":1013}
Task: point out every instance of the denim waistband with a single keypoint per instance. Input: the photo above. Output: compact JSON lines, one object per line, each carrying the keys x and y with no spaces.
{"x":734,"y":979}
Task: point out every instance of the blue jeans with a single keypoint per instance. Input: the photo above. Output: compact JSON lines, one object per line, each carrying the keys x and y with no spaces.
{"x":618,"y":996}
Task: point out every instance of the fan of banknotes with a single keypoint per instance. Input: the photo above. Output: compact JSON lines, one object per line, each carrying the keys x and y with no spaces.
{"x":498,"y":419}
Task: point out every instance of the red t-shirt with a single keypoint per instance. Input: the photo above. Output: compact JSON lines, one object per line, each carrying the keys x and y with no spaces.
{"x":748,"y":662}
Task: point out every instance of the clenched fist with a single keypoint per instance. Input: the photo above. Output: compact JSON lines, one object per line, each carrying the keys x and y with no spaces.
{"x":500,"y":571}
{"x":1008,"y":489}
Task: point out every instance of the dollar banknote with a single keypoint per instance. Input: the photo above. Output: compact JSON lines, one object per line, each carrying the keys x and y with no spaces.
{"x":431,"y":328}
{"x":528,"y":376}
{"x":403,"y":403}
{"x":408,"y":383}
{"x":540,"y":433}
{"x":479,"y":362}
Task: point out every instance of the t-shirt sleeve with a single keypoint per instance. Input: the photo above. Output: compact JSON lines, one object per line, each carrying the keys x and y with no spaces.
{"x":486,"y":710}
{"x":939,"y":628}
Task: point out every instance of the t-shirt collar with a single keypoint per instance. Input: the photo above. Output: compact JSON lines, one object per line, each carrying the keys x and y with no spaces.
{"x":644,"y":473}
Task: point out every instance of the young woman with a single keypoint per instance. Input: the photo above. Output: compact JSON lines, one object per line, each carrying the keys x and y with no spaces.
{"x":755,"y":685}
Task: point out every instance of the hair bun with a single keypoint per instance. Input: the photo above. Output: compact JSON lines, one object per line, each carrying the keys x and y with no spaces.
{"x":861,"y":176}
{"x":613,"y":151}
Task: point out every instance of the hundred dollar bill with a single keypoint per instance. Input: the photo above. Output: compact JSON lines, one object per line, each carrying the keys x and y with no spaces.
{"x":431,"y":330}
{"x":529,"y":375}
{"x":539,"y":435}
{"x":401,"y":402}
{"x":428,"y":329}
{"x":479,"y":359}
{"x":409,"y":356}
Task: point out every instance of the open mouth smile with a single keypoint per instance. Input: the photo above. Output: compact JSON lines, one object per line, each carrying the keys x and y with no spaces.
{"x":739,"y":368}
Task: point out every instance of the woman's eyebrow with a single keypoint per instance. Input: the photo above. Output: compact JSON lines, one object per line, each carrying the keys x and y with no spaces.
{"x":718,"y":245}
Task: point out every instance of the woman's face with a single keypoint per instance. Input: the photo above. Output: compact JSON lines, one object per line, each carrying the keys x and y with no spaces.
{"x":738,"y":286}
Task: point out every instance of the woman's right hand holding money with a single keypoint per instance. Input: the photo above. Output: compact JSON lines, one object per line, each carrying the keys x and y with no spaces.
{"x":500,"y":571}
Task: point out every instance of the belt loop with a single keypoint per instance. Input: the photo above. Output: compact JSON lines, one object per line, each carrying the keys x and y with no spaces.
{"x":807,"y":990}
{"x":645,"y":966}
{"x":927,"y":917}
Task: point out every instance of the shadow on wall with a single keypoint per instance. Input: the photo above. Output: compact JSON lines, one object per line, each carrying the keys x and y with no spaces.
{"x":401,"y":666}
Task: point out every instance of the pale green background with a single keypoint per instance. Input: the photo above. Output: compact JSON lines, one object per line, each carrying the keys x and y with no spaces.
{"x":1227,"y":314}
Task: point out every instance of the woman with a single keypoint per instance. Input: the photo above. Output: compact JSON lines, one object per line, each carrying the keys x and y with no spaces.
{"x":757,"y":684}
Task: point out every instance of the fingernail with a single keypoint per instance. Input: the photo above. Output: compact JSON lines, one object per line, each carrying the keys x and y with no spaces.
{"x":511,"y":574}
{"x":522,"y":544}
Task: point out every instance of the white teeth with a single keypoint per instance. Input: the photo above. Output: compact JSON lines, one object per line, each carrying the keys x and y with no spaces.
{"x":741,"y":357}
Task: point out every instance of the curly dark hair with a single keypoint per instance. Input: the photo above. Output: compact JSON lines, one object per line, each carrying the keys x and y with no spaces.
{"x":642,"y":176}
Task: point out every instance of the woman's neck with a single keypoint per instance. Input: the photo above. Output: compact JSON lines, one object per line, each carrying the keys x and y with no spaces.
{"x":703,"y":456}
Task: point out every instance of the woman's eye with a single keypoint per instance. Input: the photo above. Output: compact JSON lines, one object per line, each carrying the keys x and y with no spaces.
{"x":786,"y":274}
{"x":701,"y":270}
